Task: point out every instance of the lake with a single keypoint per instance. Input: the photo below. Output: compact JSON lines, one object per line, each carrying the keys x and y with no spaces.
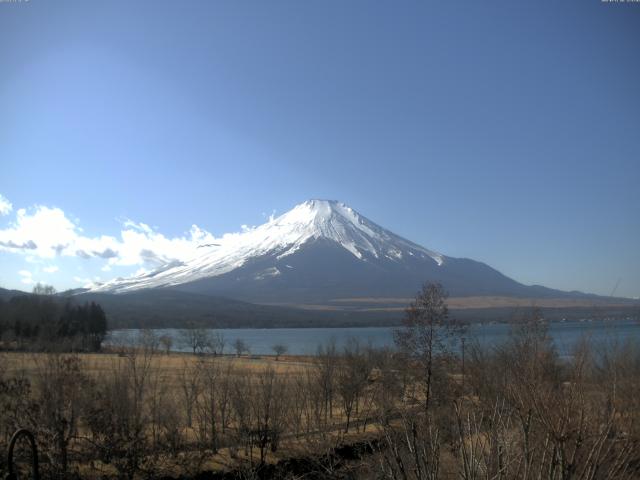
{"x":304,"y":341}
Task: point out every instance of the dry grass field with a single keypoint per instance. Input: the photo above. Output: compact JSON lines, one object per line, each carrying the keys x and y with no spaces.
{"x":171,"y":365}
{"x":181,"y":396}
{"x":398,"y":304}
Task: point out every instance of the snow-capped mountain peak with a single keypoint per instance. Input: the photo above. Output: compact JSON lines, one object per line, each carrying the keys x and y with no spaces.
{"x":313,"y":220}
{"x":335,"y":221}
{"x":331,"y":220}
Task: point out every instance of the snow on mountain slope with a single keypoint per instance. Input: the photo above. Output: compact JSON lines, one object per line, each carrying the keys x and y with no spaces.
{"x":280,"y":237}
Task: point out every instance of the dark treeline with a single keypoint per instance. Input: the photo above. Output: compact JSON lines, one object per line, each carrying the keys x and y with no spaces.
{"x":42,"y":320}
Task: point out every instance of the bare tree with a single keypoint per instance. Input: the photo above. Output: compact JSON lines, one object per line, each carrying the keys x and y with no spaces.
{"x":213,"y":401}
{"x":326,"y":364}
{"x":426,"y":334}
{"x":118,"y":419}
{"x":190,"y":387}
{"x":199,"y":340}
{"x":148,"y":340}
{"x":240,"y":346}
{"x":167,"y":342}
{"x":279,"y":349}
{"x":387,"y":384}
{"x":60,"y":382}
{"x":268,"y":411}
{"x":16,"y":405}
{"x":352,"y":375}
{"x":240,"y":400}
{"x":223,"y":394}
{"x":411,"y":450}
{"x":42,"y":289}
{"x":218,"y":343}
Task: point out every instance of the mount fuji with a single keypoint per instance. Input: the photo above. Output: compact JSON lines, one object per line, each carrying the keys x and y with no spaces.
{"x":323,"y":252}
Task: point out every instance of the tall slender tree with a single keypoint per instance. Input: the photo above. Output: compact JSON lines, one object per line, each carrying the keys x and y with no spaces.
{"x":427,"y":333}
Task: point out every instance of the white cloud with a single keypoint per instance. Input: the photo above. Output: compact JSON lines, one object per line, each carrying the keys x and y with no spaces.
{"x":51,"y":269}
{"x":5,"y":205}
{"x":45,"y":233}
{"x":86,"y":282}
{"x":27,"y":277}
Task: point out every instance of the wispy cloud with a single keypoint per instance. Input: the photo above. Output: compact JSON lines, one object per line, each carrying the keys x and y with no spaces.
{"x":271,"y":216}
{"x":5,"y":205}
{"x":30,"y":245}
{"x":51,"y":269}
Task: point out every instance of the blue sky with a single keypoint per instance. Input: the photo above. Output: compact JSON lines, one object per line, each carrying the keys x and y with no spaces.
{"x":507,"y":132}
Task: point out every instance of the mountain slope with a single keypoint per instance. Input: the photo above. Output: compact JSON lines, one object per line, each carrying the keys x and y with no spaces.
{"x":167,"y":308}
{"x":321,"y":251}
{"x":8,"y":294}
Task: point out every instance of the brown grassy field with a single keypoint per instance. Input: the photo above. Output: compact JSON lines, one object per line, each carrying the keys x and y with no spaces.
{"x":398,"y":304}
{"x":170,"y":365}
{"x":178,"y":381}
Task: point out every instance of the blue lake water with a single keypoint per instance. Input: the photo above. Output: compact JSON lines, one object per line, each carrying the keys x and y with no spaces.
{"x":304,"y":341}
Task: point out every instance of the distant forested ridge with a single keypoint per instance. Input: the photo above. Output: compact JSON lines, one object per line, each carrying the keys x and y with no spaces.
{"x":42,"y":320}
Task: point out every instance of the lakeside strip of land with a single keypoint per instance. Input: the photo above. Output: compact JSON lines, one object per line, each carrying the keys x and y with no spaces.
{"x":399,"y":303}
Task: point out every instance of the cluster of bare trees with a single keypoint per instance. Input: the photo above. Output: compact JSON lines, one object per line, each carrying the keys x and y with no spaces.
{"x":198,"y":340}
{"x":141,"y":412}
{"x":516,"y":410}
{"x":534,"y":415}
